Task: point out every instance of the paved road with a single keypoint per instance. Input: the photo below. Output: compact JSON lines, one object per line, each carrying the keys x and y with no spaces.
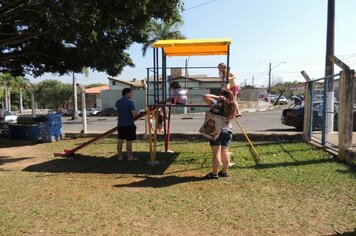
{"x":260,"y":121}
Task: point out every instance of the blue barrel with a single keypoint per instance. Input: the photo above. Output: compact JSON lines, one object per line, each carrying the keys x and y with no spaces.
{"x":51,"y":128}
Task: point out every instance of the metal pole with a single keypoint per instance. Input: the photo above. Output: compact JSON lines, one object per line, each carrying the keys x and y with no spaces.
{"x":84,"y":112}
{"x":329,"y":66}
{"x":269,"y":79}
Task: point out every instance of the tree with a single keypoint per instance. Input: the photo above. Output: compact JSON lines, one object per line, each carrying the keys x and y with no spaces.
{"x":19,"y":83}
{"x":163,"y":30}
{"x":13,"y":87}
{"x":63,"y":36}
{"x":53,"y":94}
{"x":95,"y":85}
{"x":282,"y":88}
{"x":8,"y":81}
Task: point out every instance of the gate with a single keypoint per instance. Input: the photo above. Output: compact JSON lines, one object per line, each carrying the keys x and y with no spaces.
{"x":330,"y":112}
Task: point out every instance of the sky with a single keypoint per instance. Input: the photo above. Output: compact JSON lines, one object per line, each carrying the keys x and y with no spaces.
{"x":291,"y":35}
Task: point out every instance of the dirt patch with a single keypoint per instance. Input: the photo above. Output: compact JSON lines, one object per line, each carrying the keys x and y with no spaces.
{"x":20,"y":154}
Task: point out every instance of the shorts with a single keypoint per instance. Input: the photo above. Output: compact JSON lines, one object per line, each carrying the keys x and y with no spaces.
{"x":234,"y":90}
{"x":127,"y":132}
{"x":224,"y":139}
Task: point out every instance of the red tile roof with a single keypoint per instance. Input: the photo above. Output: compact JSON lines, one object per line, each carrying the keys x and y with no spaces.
{"x":96,"y":90}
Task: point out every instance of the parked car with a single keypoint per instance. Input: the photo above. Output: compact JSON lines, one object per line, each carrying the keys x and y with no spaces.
{"x":283,"y":100}
{"x":269,"y":97}
{"x":69,"y":112}
{"x":52,"y":111}
{"x":272,"y":98}
{"x":110,"y":111}
{"x":92,"y":111}
{"x":10,"y":117}
{"x":295,"y":116}
{"x":57,"y":111}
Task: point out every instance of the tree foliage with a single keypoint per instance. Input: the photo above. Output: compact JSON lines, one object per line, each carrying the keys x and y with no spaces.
{"x":62,"y":36}
{"x":163,"y":30}
{"x":95,"y":85}
{"x":52,"y":94}
{"x":12,"y":87}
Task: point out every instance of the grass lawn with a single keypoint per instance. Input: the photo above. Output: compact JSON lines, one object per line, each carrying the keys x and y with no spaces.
{"x":296,"y":189}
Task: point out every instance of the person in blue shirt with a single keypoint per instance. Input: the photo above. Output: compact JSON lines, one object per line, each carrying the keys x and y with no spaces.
{"x":126,"y":126}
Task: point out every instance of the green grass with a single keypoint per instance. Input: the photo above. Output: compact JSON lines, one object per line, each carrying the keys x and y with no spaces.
{"x":295,"y":189}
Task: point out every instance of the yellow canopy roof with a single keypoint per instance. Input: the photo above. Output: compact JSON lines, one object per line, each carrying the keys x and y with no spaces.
{"x":193,"y":47}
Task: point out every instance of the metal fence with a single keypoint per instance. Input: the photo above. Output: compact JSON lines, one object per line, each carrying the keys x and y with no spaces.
{"x":324,"y":118}
{"x":330,"y":112}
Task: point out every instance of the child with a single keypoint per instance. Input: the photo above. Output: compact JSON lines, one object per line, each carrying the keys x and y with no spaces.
{"x":232,"y":84}
{"x":179,"y":94}
{"x":159,"y":120}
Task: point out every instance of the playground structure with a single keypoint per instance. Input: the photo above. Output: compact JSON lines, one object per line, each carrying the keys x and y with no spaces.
{"x":160,"y":91}
{"x":173,"y":48}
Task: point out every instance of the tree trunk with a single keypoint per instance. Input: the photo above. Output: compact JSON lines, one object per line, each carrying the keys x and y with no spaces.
{"x":6,"y":97}
{"x":21,"y":102}
{"x":75,"y":115}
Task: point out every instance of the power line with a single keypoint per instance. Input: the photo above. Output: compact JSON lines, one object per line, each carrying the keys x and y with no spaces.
{"x":199,"y":5}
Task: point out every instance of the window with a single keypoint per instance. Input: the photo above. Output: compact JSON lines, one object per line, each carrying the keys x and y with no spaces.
{"x":113,"y":83}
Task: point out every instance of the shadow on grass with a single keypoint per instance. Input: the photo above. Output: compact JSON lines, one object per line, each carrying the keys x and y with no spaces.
{"x":351,"y":170}
{"x":159,"y":182}
{"x":7,"y":142}
{"x":100,"y":165}
{"x":5,"y":159}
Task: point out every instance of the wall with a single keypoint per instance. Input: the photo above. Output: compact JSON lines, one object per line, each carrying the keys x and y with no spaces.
{"x":109,"y":98}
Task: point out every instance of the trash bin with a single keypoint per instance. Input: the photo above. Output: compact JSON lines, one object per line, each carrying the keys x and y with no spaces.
{"x":47,"y":128}
{"x":25,"y":131}
{"x":51,"y":127}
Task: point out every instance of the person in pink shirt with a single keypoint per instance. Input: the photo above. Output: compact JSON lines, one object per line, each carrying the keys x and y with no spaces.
{"x":231,"y":85}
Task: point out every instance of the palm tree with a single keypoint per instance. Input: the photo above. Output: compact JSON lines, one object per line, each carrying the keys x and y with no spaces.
{"x":8,"y":82}
{"x":19,"y":84}
{"x":163,"y":30}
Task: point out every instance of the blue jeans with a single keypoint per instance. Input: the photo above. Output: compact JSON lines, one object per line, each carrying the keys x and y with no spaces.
{"x":224,"y":139}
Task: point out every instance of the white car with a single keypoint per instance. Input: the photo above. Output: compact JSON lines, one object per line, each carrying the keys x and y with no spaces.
{"x":92,"y":111}
{"x":10,"y":118}
{"x":283,"y":100}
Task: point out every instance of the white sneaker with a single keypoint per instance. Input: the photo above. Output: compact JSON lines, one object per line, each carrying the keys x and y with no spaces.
{"x":119,"y":158}
{"x":132,"y":159}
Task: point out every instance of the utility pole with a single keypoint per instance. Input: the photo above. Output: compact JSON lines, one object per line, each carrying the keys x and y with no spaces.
{"x":329,"y":66}
{"x":270,"y":75}
{"x":269,"y":79}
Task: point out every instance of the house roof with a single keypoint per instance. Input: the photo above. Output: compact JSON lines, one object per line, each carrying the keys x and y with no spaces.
{"x":96,"y":90}
{"x":194,"y":47}
{"x":135,"y":84}
{"x":207,"y":79}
